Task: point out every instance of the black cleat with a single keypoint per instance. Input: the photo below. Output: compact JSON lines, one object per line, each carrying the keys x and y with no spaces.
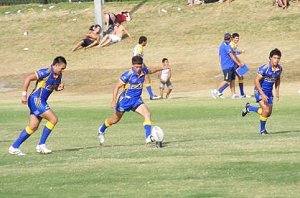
{"x":159,"y":144}
{"x":245,"y":111}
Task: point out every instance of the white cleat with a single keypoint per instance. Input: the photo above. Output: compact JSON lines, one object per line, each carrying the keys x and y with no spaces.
{"x":214,"y":93}
{"x":15,"y":151}
{"x":101,"y":137}
{"x":149,"y":139}
{"x":235,"y":96}
{"x":42,"y":148}
{"x":245,"y":96}
{"x":155,"y":97}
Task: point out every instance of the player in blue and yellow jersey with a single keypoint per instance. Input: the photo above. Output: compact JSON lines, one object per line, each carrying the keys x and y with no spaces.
{"x":47,"y":80}
{"x":268,"y":75}
{"x":228,"y":61}
{"x":138,"y":50}
{"x":130,"y":98}
{"x":234,"y":45}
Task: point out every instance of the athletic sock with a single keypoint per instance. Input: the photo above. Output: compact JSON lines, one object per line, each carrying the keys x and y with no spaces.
{"x":22,"y":137}
{"x":253,"y":108}
{"x":241,"y":85}
{"x":149,"y":89}
{"x":104,"y":126}
{"x":223,"y":88}
{"x":263,"y":121}
{"x":147,"y":127}
{"x":46,"y":132}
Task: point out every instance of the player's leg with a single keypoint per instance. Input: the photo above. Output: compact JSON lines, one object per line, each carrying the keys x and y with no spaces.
{"x":144,"y":111}
{"x":218,"y":92}
{"x":107,"y":123}
{"x":248,"y":107}
{"x":26,"y":133}
{"x":52,"y":120}
{"x":116,"y":117}
{"x":147,"y":84}
{"x":266,"y":112}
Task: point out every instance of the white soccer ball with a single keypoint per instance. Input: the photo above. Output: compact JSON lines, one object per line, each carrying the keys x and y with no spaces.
{"x":157,"y":134}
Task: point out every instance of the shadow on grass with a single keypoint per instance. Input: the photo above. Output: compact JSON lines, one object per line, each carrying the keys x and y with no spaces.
{"x":282,"y":132}
{"x":164,"y":144}
{"x":135,"y":8}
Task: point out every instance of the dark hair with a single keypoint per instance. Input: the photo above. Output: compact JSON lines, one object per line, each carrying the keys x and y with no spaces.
{"x":275,"y":52}
{"x":235,"y":35}
{"x":97,"y":25}
{"x":164,"y":59}
{"x":137,"y":60}
{"x":92,"y":27}
{"x":142,"y":39}
{"x":59,"y":60}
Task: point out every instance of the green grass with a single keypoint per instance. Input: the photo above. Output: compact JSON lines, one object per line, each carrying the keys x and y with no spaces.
{"x":209,"y":151}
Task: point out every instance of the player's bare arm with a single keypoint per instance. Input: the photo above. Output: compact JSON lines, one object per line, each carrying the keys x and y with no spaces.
{"x":277,"y":85}
{"x":119,"y":85}
{"x":28,"y":79}
{"x":259,"y":88}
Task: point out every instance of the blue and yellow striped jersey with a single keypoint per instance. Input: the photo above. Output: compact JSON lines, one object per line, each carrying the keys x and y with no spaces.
{"x":270,"y":75}
{"x":46,"y":83}
{"x":133,"y":83}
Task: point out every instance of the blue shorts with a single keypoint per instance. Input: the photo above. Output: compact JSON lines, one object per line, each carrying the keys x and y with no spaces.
{"x":37,"y":106}
{"x":229,"y":74}
{"x":258,"y":96}
{"x":127,"y":104}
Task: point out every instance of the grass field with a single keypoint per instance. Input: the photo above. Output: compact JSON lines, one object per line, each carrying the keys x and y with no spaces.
{"x":209,"y":149}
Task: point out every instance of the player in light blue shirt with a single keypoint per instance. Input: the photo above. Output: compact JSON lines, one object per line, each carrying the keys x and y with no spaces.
{"x":47,"y":80}
{"x":130,"y":98}
{"x":228,"y":61}
{"x":268,"y":75}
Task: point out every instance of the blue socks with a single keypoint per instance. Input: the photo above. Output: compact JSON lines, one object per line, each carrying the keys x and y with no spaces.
{"x":147,"y":127}
{"x":149,"y":89}
{"x":223,"y":88}
{"x":22,"y":137}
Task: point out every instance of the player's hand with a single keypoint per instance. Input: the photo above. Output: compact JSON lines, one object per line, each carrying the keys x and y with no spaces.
{"x":113,"y":104}
{"x":277,"y":98}
{"x":264,"y":98}
{"x":61,"y":87}
{"x":24,"y":99}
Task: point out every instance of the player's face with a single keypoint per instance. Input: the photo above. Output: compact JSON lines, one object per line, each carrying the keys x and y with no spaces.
{"x":236,"y":39}
{"x":59,"y":68}
{"x":137,"y":68}
{"x":144,"y":43}
{"x":275,"y":60}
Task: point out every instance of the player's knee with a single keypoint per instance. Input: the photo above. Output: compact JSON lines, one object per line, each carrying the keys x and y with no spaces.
{"x":54,"y":120}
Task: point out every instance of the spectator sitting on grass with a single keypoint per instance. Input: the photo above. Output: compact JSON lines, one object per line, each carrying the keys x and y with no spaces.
{"x":111,"y":17}
{"x":91,"y":39}
{"x":116,"y":36}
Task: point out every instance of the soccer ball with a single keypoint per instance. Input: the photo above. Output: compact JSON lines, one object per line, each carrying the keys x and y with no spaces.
{"x":157,"y":134}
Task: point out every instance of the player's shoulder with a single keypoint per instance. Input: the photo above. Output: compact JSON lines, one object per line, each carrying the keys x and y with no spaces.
{"x":44,"y":71}
{"x":127,"y":73}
